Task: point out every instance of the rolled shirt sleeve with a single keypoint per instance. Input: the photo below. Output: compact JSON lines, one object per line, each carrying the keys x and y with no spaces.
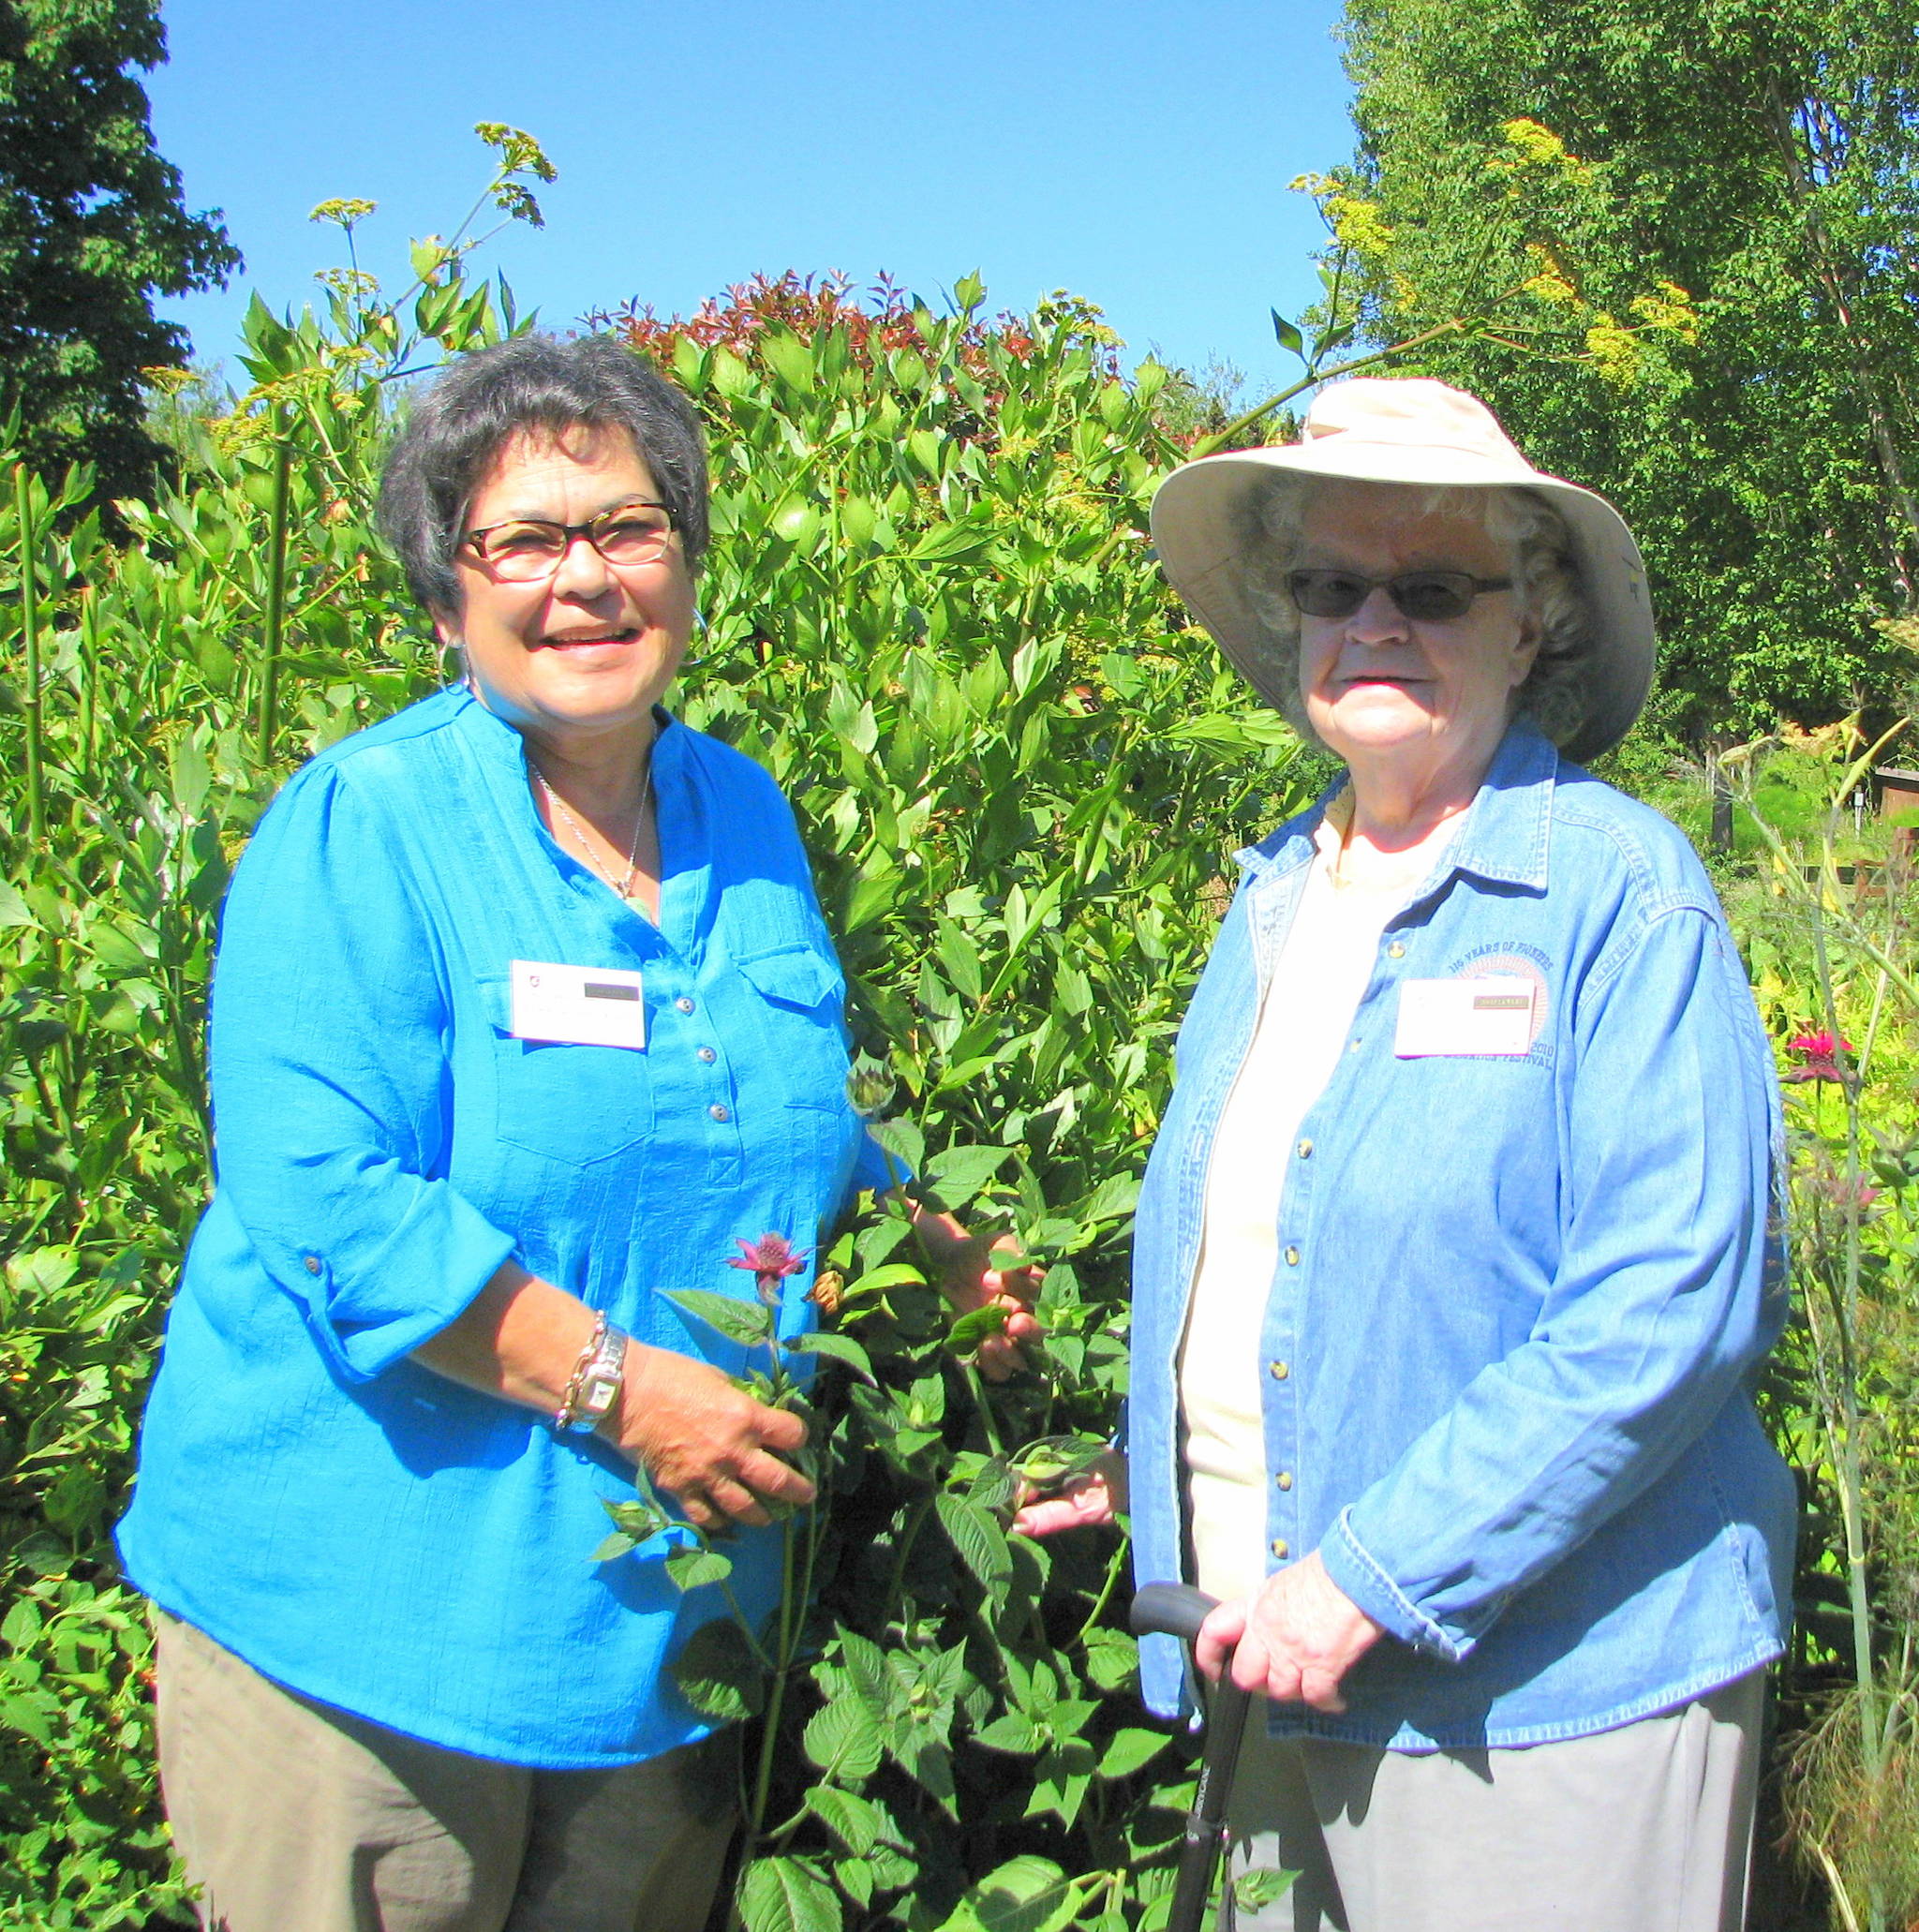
{"x":1665,"y":1297}
{"x":331,"y":1087}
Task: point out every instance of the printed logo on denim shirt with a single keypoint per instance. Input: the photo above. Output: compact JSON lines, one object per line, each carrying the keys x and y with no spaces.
{"x":1513,"y":960}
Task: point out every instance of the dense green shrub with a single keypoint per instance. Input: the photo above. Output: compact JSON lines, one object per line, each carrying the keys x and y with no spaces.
{"x":929,"y":612}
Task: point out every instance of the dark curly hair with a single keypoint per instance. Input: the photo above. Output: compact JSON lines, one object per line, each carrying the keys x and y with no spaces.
{"x":457,"y":427}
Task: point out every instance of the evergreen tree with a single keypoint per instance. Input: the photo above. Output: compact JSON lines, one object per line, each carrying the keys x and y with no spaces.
{"x":90,"y":229}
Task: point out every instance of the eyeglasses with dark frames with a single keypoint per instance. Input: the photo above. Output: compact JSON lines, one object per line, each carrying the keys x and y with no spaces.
{"x":527,"y":549}
{"x":1425,"y":596}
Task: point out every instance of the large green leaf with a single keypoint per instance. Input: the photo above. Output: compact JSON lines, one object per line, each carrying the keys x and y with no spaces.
{"x":838,"y":1346}
{"x":1027,"y":1893}
{"x":749,"y":1323}
{"x":718,"y":1675}
{"x":979,"y":1539}
{"x":1129,"y":1750}
{"x":858,"y":1822}
{"x":843,"y":1739}
{"x":784,"y":1894}
{"x":694,"y":1568}
{"x":956,"y":1174}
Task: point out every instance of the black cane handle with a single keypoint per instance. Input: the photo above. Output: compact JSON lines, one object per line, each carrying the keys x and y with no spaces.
{"x":1170,"y":1609}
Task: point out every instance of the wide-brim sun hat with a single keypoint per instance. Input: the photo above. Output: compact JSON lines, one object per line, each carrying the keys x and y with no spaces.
{"x":1405,"y":429}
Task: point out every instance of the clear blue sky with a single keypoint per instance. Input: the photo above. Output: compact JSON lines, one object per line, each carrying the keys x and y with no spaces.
{"x":1135,"y":154}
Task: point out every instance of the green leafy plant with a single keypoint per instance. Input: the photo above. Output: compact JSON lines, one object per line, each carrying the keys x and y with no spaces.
{"x":1021,"y":777}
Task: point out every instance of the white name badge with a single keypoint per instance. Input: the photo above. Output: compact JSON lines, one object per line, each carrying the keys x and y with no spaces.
{"x":1448,"y":1016}
{"x":577,"y":1005}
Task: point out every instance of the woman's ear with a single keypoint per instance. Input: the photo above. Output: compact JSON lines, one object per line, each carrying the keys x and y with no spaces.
{"x":446,"y":627}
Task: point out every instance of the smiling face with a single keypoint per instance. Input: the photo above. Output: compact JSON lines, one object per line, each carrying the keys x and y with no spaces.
{"x":582,"y":657}
{"x":1430,"y":696}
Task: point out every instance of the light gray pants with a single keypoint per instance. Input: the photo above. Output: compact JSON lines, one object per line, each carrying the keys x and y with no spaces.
{"x":1647,"y":1828}
{"x":293,"y":1816}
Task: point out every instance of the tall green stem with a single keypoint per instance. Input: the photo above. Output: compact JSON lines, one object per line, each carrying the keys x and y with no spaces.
{"x":268,"y":720}
{"x":30,"y":636}
{"x":1852,"y":1481}
{"x":90,"y":674}
{"x":986,"y":1421}
{"x":1207,"y":445}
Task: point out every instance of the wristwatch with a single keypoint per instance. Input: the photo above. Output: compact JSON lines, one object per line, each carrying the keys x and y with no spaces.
{"x":595,"y":1385}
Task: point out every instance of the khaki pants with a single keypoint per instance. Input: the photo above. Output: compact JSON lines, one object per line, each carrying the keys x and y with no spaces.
{"x":1647,"y":1828}
{"x":294,"y":1816}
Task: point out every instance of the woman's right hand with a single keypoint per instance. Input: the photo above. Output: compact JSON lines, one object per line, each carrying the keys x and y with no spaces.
{"x":714,"y":1447}
{"x":1094,"y":1497}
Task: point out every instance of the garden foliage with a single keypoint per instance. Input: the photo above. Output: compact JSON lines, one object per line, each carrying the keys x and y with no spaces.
{"x":929,"y":614}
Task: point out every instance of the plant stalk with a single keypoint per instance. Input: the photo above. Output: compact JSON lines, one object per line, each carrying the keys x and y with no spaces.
{"x":1211,"y":445}
{"x":1847,"y":1307}
{"x":268,"y":720}
{"x":30,"y":637}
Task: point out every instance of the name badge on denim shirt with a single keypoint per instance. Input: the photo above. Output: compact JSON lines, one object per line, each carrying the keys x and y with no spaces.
{"x":1448,"y":1016}
{"x":577,"y":1005}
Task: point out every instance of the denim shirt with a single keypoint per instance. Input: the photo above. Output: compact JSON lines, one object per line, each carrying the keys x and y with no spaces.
{"x":352,"y":1524}
{"x":1520,"y":1301}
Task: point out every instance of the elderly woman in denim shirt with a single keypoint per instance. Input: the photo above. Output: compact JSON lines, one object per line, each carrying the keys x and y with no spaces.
{"x":526,"y":1016}
{"x":1456,"y":1259}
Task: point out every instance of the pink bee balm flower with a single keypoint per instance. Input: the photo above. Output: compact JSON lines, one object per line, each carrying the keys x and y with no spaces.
{"x":1819,"y":1057}
{"x":772,"y":1259}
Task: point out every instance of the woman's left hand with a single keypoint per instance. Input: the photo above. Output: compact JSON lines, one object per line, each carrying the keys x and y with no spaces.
{"x":972,"y":1276}
{"x":1292,"y":1641}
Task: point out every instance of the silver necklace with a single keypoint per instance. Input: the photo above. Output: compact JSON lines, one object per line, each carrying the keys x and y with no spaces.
{"x":624,"y":887}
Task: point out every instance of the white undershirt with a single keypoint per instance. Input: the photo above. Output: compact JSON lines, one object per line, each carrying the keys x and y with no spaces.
{"x":1322,"y":971}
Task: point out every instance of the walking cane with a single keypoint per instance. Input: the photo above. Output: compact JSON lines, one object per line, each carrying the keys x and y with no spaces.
{"x":1176,"y":1610}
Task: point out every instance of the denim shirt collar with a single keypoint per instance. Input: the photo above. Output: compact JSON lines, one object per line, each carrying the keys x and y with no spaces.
{"x":1506,"y":837}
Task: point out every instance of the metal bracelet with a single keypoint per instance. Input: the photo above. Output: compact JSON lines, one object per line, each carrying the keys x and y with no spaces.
{"x":600,"y":1382}
{"x":567,"y":1412}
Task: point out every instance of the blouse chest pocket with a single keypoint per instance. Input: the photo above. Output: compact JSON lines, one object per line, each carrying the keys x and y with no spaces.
{"x":793,"y":975}
{"x":801,"y":995}
{"x":570,"y":1102}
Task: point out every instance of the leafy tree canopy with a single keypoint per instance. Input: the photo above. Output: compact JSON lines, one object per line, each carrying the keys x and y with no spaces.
{"x":90,"y":229}
{"x":1712,"y":207}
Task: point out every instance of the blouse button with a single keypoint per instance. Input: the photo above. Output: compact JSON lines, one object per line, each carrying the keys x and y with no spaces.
{"x":1278,"y":1371}
{"x":719,"y":1113}
{"x":1395,"y":951}
{"x":313,"y":1264}
{"x":684,"y":1004}
{"x":1279,"y":1547}
{"x":1284,"y":1479}
{"x":1304,"y":1149}
{"x":1293,"y":1258}
{"x":706,"y":1056}
{"x":1352,"y":1046}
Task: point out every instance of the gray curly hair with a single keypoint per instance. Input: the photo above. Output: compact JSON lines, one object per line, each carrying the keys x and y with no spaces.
{"x":1545,"y":578}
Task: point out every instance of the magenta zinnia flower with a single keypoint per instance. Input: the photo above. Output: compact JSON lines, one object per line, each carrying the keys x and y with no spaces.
{"x":772,"y":1259}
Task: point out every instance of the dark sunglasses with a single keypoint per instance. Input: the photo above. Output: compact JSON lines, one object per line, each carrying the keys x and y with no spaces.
{"x":1425,"y":596}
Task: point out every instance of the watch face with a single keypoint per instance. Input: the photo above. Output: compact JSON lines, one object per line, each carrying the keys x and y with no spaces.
{"x":600,"y":1388}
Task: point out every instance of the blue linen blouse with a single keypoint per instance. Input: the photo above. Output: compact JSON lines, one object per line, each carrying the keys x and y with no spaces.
{"x":352,"y":1524}
{"x":1520,"y":1301}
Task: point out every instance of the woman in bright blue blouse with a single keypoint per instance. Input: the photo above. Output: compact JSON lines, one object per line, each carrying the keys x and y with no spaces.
{"x":524,"y":1013}
{"x":1456,"y":1254}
